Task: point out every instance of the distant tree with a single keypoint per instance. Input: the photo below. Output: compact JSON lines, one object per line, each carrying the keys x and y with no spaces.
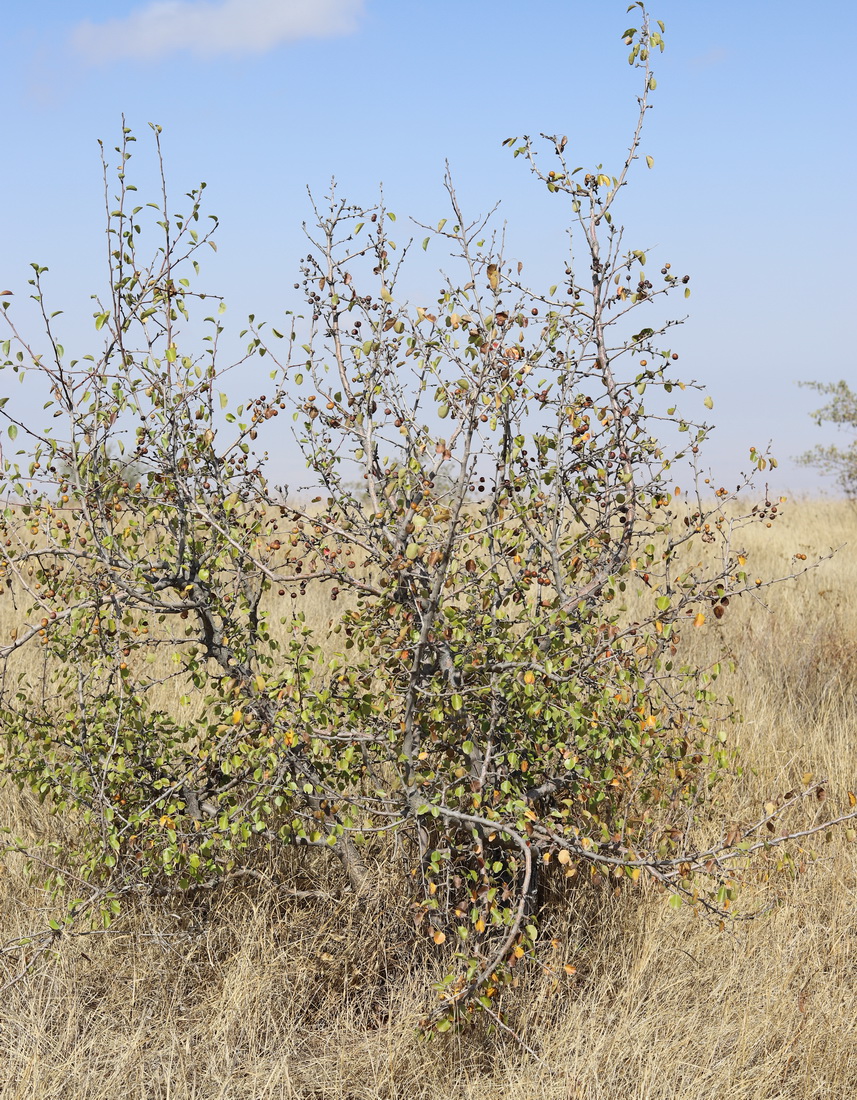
{"x":501,"y":701}
{"x":841,"y":410}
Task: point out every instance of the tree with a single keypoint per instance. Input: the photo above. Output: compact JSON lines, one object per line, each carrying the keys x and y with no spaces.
{"x":841,"y":410}
{"x":498,"y":698}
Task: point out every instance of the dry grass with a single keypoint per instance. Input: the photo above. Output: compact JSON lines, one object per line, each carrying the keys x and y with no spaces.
{"x":250,"y":994}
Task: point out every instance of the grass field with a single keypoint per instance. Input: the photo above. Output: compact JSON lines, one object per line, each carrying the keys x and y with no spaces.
{"x":254,"y":993}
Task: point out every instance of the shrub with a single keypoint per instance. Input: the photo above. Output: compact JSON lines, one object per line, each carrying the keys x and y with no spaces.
{"x":841,"y":410}
{"x":496,"y":695}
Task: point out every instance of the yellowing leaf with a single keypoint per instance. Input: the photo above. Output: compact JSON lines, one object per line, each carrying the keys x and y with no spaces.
{"x":650,"y":161}
{"x":386,"y":295}
{"x":709,"y":402}
{"x":493,"y":276}
{"x":564,"y":857}
{"x":699,"y":620}
{"x":439,"y":938}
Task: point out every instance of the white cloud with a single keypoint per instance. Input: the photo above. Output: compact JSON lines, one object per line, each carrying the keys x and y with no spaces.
{"x":211,"y":27}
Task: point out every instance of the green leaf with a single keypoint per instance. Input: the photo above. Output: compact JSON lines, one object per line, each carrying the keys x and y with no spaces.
{"x":13,"y":431}
{"x":456,"y":702}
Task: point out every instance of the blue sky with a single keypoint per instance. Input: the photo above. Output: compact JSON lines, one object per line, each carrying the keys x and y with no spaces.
{"x":752,"y":133}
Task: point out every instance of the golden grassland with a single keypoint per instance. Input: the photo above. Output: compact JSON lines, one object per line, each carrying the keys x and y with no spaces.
{"x":257,"y":994}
